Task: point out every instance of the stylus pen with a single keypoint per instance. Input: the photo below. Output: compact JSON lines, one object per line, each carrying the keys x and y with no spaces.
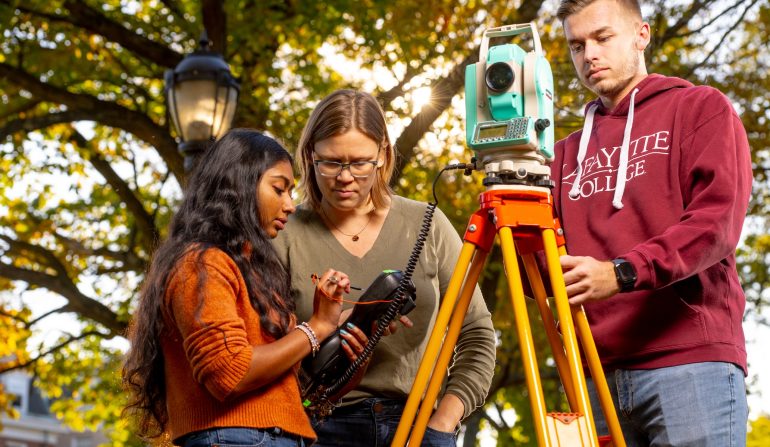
{"x":333,"y":279}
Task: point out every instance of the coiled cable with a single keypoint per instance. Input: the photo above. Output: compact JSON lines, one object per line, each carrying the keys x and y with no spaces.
{"x":322,"y":405}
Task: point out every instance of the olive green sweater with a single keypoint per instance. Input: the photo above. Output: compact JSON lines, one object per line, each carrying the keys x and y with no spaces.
{"x":306,"y":246}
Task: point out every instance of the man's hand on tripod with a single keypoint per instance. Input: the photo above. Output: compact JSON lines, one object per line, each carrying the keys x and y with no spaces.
{"x":588,"y":279}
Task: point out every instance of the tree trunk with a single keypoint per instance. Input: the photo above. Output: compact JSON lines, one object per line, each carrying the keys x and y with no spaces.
{"x":472,"y":428}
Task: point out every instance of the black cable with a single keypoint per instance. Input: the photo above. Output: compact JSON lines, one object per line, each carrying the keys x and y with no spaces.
{"x":390,"y":314}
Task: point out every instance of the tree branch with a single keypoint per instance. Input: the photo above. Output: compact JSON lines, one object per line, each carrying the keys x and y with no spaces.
{"x":215,"y":22}
{"x":442,"y":92}
{"x":503,"y":425}
{"x":63,"y":285}
{"x":498,"y":426}
{"x":27,"y":106}
{"x":58,"y":310}
{"x":710,"y":22}
{"x":724,"y":36}
{"x":144,"y":221}
{"x":174,"y":8}
{"x":41,"y":122}
{"x":472,"y":426}
{"x":14,"y":317}
{"x":130,"y":261}
{"x":72,"y":338}
{"x":386,"y":97}
{"x":105,"y":112}
{"x":83,"y":16}
{"x":672,"y":30}
{"x":37,"y":253}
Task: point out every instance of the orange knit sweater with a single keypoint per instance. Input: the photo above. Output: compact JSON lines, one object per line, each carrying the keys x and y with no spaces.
{"x":207,"y":350}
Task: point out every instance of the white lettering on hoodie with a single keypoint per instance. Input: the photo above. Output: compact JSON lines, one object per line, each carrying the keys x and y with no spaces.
{"x":599,"y":169}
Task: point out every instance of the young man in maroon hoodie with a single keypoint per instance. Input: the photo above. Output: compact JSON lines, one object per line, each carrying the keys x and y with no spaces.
{"x":652,"y":194}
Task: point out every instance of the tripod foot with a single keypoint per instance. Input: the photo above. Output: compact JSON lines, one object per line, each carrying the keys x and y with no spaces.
{"x":568,"y":430}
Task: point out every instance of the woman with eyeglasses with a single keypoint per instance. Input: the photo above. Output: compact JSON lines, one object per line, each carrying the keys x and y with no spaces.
{"x":350,"y":219}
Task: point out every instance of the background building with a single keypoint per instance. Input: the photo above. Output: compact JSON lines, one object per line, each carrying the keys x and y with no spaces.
{"x":36,"y":426}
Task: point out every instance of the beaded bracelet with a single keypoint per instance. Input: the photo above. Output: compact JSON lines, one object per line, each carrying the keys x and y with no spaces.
{"x":314,"y":345}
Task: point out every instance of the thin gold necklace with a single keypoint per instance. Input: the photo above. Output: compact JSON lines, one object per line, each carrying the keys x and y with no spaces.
{"x":354,"y":236}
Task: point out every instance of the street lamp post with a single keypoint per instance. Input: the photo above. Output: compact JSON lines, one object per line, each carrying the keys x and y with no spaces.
{"x":201,"y":95}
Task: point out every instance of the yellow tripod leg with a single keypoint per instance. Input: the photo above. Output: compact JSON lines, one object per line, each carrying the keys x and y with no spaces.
{"x":447,"y":350}
{"x":600,"y":381}
{"x":434,"y":343}
{"x":597,"y":372}
{"x":524,"y":332}
{"x":554,"y":339}
{"x":568,"y":330}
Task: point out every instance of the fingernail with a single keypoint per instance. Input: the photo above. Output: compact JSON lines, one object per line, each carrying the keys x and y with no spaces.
{"x":344,"y":343}
{"x":344,"y":332}
{"x":350,"y":325}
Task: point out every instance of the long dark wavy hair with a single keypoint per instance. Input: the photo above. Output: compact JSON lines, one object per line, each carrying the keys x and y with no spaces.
{"x":220,"y":209}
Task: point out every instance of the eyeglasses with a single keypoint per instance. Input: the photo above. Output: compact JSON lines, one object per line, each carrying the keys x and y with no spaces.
{"x":358,"y":169}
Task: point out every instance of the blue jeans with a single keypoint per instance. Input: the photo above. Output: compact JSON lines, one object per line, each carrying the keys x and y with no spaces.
{"x":242,"y":437}
{"x":698,"y":404}
{"x":371,"y":423}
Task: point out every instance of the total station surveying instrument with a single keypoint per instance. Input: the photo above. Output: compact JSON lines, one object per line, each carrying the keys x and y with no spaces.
{"x":509,"y":106}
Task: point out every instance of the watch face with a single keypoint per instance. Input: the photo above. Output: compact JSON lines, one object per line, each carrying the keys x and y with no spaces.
{"x":625,"y":274}
{"x":626,"y":271}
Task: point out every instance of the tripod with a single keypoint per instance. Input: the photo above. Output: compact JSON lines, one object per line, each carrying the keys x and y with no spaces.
{"x":523,"y":217}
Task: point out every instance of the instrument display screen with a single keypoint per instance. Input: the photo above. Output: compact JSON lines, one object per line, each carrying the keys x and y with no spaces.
{"x":493,"y":131}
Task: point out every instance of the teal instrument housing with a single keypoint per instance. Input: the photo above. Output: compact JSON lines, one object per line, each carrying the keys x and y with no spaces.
{"x":471,"y":115}
{"x":506,"y":106}
{"x":519,"y":118}
{"x":544,"y":94}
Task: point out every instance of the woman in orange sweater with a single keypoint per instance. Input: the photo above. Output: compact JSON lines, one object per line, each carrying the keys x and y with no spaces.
{"x":214,"y":341}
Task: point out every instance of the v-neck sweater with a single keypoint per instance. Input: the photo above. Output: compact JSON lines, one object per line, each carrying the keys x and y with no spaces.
{"x":307,"y":246}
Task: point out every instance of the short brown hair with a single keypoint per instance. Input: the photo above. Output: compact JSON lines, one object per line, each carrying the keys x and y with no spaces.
{"x":569,"y":7}
{"x":337,"y":114}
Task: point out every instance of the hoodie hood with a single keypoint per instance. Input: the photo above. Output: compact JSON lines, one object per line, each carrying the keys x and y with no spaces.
{"x":648,"y":88}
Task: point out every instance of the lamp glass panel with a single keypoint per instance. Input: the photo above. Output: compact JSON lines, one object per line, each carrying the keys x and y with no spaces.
{"x":196,"y":107}
{"x":227,"y":98}
{"x":171,"y":102}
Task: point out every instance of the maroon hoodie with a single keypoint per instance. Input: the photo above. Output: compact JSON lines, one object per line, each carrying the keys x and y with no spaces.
{"x":677,"y":218}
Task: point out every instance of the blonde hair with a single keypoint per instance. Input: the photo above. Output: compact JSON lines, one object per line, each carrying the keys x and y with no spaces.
{"x":338,"y":113}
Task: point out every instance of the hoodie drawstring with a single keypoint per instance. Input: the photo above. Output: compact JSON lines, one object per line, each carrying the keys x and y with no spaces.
{"x":620,"y":183}
{"x":587,"y":125}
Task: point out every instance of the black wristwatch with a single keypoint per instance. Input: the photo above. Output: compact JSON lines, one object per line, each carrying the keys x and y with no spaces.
{"x":625,"y":274}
